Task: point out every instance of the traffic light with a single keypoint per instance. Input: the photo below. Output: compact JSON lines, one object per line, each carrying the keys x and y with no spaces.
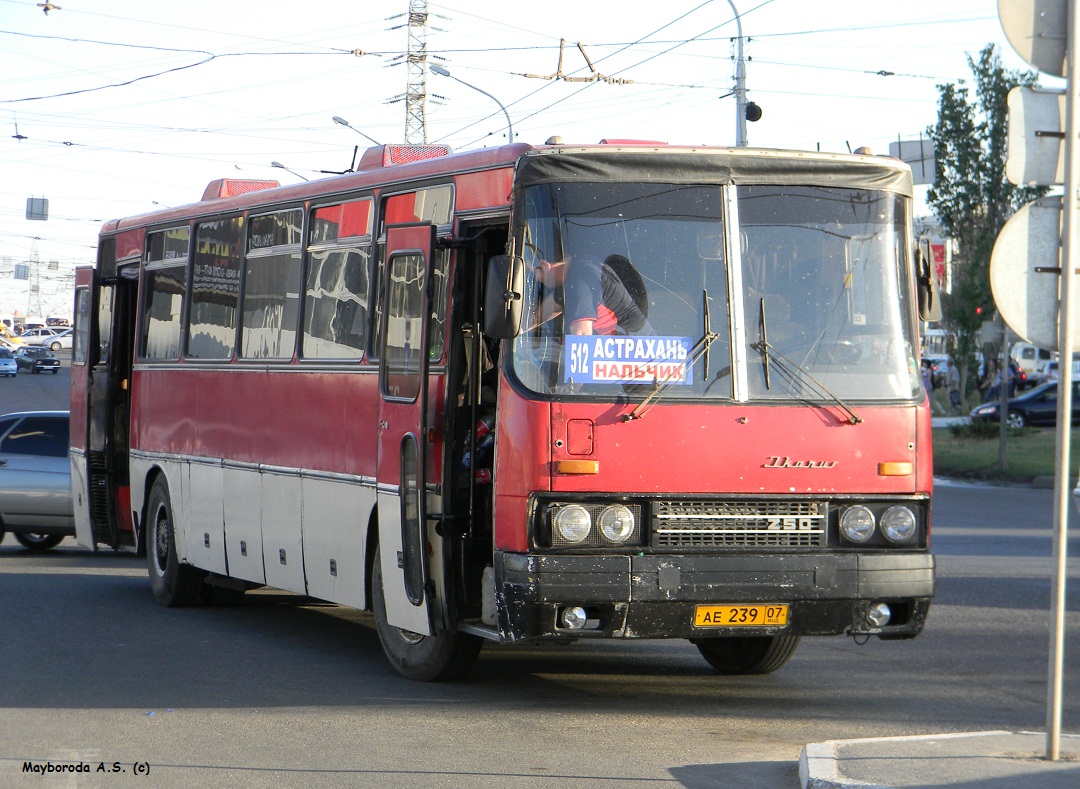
{"x":753,"y":112}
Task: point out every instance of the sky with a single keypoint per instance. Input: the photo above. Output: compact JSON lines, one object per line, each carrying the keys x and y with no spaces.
{"x":118,"y":107}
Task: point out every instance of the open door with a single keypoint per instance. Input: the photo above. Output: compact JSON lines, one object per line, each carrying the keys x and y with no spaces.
{"x":402,"y":441}
{"x":101,"y":401}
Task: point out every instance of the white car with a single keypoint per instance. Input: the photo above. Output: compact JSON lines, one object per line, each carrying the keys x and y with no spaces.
{"x":52,"y":338}
{"x":8,"y":366}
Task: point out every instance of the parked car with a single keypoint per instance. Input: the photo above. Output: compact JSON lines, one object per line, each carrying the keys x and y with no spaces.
{"x":39,"y":336}
{"x":37,"y":360}
{"x":62,"y":339}
{"x":1036,"y":407}
{"x":1030,"y":357}
{"x":35,"y":478}
{"x":8,"y":366}
{"x":1049,"y":372}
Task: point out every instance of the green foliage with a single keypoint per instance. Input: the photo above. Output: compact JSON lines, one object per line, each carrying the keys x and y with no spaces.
{"x":971,"y":195}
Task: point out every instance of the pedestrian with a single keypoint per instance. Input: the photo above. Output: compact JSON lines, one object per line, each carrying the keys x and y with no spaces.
{"x":952,"y":381}
{"x":928,"y":385}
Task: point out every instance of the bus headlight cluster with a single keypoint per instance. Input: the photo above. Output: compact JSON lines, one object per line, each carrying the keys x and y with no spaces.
{"x":897,"y":524}
{"x":581,"y":525}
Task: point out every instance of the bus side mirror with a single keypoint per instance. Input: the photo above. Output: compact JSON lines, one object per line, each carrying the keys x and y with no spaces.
{"x":926,"y":285}
{"x":504,"y":297}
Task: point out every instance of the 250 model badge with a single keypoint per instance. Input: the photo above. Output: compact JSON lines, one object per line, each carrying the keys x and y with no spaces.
{"x":776,"y":461}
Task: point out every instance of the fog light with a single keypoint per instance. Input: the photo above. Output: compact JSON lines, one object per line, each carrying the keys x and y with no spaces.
{"x":573,"y":617}
{"x":878,"y":614}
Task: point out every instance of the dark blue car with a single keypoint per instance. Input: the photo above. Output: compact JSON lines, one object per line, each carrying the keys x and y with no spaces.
{"x":1036,"y":407}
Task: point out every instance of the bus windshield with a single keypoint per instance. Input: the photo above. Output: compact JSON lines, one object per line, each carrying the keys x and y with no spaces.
{"x":629,"y":287}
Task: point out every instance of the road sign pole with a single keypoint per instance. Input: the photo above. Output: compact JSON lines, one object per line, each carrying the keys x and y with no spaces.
{"x":1062,"y":491}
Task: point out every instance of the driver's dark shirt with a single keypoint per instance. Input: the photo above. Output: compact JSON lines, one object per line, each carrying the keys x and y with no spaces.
{"x":595,"y":292}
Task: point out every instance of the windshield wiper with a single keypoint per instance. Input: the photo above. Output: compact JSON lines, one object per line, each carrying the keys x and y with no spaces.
{"x":764,"y":345}
{"x":795,"y":372}
{"x":701,"y":347}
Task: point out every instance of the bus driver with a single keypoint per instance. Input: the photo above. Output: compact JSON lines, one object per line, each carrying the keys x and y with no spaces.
{"x":608,"y":298}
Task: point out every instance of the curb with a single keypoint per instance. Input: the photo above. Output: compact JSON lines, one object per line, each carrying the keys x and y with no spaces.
{"x":820,"y":763}
{"x":819,"y":768}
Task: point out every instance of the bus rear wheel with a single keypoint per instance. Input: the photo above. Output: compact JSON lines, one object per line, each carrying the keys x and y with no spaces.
{"x":173,"y":583}
{"x":747,"y":654}
{"x":435,"y":658}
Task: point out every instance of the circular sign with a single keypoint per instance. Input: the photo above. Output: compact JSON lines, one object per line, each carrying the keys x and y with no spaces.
{"x":1037,"y":31}
{"x":1025,"y":269}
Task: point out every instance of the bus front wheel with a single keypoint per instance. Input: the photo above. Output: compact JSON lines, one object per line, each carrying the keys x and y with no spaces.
{"x":173,"y":583}
{"x":747,"y":654}
{"x":435,"y":658}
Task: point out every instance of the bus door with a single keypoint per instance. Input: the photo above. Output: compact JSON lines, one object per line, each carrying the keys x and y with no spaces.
{"x":105,"y":416}
{"x":402,"y":440}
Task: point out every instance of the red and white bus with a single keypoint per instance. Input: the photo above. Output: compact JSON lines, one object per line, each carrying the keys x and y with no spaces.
{"x":380,"y":390}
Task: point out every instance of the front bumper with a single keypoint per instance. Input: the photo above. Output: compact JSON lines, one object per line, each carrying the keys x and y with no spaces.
{"x":654,"y":596}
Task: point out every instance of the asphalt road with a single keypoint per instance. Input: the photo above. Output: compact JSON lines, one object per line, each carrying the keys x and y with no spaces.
{"x":44,"y":391}
{"x":281,"y":691}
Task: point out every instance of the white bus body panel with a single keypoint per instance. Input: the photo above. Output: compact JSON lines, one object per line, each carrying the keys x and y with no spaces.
{"x":80,"y":494}
{"x":203,"y":532}
{"x":283,"y":548}
{"x":243,"y":524}
{"x":335,"y":525}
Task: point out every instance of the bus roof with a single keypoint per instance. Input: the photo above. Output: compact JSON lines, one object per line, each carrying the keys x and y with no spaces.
{"x":647,"y":160}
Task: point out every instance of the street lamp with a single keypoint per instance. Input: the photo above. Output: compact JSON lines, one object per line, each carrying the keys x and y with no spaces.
{"x":286,"y":169}
{"x":443,"y":72}
{"x":339,"y":120}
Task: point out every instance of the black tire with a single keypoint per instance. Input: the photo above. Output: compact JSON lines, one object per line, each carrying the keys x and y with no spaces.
{"x":39,"y":542}
{"x":173,"y":583}
{"x":436,"y":658}
{"x":54,"y":372}
{"x":747,"y":654}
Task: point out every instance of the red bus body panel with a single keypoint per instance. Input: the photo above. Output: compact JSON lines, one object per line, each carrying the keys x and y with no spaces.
{"x":301,"y":419}
{"x":681,"y":448}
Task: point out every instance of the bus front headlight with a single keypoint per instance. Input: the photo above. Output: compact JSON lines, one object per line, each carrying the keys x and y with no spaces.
{"x":616,"y":523}
{"x":898,"y":524}
{"x":572,"y":523}
{"x":857,"y":524}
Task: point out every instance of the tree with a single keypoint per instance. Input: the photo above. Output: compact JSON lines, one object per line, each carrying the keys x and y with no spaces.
{"x":970,"y":194}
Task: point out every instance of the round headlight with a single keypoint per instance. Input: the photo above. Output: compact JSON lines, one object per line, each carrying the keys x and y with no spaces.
{"x":572,"y":523}
{"x":898,"y":524}
{"x":857,"y":524}
{"x":616,"y":523}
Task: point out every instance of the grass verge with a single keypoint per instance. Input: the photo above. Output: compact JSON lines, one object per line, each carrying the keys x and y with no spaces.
{"x":971,"y":452}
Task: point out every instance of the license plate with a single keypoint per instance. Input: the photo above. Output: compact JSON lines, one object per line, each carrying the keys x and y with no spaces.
{"x":770,"y":615}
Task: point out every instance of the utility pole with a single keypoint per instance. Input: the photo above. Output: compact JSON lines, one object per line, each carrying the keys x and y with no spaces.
{"x":416,"y":92}
{"x":740,"y":84}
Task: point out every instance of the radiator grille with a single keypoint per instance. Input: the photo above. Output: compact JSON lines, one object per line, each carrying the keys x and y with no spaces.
{"x":739,"y":524}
